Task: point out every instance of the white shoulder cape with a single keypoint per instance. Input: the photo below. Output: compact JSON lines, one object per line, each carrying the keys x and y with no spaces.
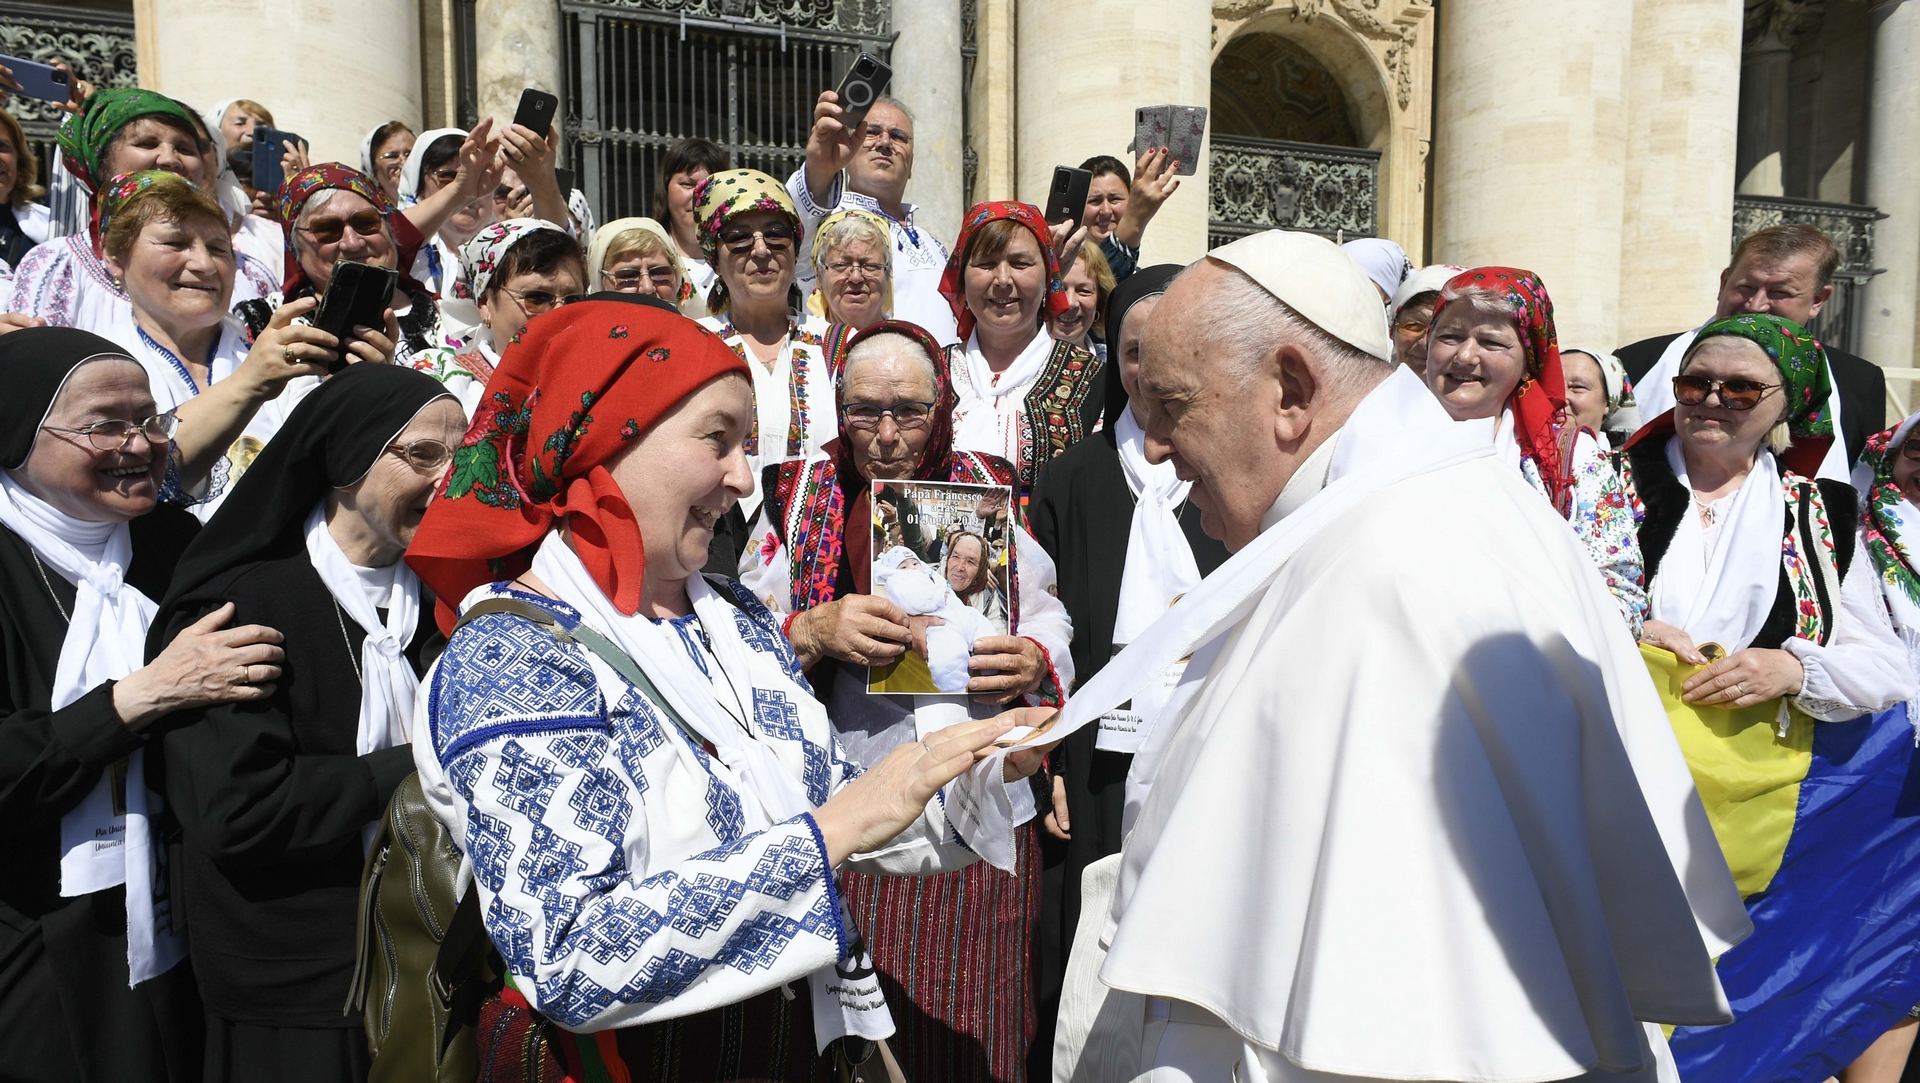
{"x":1431,"y":784}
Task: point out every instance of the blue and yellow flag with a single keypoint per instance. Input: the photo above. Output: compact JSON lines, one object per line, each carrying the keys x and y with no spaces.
{"x":1821,"y":828}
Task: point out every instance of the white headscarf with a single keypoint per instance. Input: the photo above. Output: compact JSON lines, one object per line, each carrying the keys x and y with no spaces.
{"x":1430,"y":279}
{"x":1384,"y":262}
{"x":410,"y":176}
{"x":105,"y":641}
{"x":1622,"y":414}
{"x":226,"y":187}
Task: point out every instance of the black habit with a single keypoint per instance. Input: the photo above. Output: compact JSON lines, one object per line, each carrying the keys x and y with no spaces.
{"x":272,"y":796}
{"x":1862,"y":386}
{"x":66,"y":1012}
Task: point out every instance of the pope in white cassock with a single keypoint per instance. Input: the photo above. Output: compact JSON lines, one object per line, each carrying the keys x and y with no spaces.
{"x":1414,"y":811}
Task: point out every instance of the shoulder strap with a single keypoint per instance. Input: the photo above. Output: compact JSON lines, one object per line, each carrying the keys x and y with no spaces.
{"x":565,"y":630}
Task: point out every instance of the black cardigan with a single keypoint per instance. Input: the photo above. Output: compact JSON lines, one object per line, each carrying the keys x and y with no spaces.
{"x":273,"y":799}
{"x":1666,"y":501}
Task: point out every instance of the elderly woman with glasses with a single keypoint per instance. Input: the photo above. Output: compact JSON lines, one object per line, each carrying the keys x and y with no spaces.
{"x":637,"y":255}
{"x":811,"y":562}
{"x":517,"y":270}
{"x":852,"y":260}
{"x":89,"y":540}
{"x":750,"y":232}
{"x":276,"y":801}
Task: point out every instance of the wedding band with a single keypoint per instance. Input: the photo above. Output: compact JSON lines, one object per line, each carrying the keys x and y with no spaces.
{"x":286,"y":354}
{"x":244,"y":674}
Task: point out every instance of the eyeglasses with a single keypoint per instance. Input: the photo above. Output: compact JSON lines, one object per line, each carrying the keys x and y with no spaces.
{"x":1734,"y":394}
{"x":393,"y":156}
{"x":538,"y":301}
{"x":867,"y":268}
{"x":445,"y":176}
{"x":1911,"y":449}
{"x":632,"y":276}
{"x":116,"y":435}
{"x":875,"y":132}
{"x":1412,"y":325}
{"x":423,"y":455}
{"x":867,"y":415}
{"x":740,"y":241}
{"x":328,"y":230}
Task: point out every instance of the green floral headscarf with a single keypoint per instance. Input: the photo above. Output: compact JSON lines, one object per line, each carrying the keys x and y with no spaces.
{"x":1802,"y":362}
{"x":86,"y":134}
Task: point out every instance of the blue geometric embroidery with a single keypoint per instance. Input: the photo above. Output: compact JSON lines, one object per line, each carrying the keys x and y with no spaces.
{"x":817,"y":773}
{"x":464,"y":773}
{"x":694,"y":648}
{"x":615,"y":932}
{"x":512,"y":934}
{"x":786,"y":867}
{"x":759,"y":941}
{"x":719,"y":854}
{"x":502,"y":673}
{"x":550,"y":858}
{"x":600,"y":805}
{"x":723,"y":810}
{"x":489,"y":847}
{"x":758,"y":627}
{"x":702,"y":904}
{"x":525,"y":782}
{"x":776,"y":714}
{"x":580,"y":750}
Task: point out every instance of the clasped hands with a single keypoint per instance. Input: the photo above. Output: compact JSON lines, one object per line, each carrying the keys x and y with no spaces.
{"x":1741,"y":679}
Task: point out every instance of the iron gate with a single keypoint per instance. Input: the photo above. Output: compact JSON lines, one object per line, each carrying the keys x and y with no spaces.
{"x":98,"y":45}
{"x":644,"y":74}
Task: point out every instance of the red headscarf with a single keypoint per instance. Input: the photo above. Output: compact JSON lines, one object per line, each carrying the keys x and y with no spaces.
{"x":575,"y":387}
{"x":302,"y":186}
{"x":953,"y":282}
{"x":1539,"y":402}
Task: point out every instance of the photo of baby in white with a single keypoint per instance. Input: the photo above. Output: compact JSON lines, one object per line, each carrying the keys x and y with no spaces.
{"x":941,"y":556}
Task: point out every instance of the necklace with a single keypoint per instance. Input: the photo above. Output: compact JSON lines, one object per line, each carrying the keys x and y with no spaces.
{"x":347,"y":639}
{"x":42,"y":569}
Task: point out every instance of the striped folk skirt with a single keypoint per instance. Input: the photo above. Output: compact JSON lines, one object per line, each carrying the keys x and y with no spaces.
{"x":952,"y":952}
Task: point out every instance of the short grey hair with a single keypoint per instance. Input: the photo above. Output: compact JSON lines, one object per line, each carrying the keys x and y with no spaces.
{"x":854,"y":227}
{"x":888,"y":99}
{"x":1248,"y":322}
{"x":887,"y":345}
{"x":1482,"y":300}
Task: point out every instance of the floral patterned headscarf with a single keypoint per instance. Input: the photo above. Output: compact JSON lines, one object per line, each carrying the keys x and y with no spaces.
{"x":728,"y":195}
{"x":578,"y":385}
{"x":122,"y":190}
{"x":1802,"y":362}
{"x":483,"y":252}
{"x":297,"y":189}
{"x":87,"y":133}
{"x":1887,"y":521}
{"x":953,"y":282}
{"x":1539,"y":401}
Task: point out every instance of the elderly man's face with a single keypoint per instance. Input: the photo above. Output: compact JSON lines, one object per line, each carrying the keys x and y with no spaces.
{"x":1789,"y":288}
{"x":883,"y":164}
{"x":886,"y":449}
{"x":1219,"y":434}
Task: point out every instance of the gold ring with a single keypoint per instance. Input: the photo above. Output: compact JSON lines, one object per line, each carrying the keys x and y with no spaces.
{"x":245,"y":672}
{"x":927,"y":746}
{"x":286,"y":354}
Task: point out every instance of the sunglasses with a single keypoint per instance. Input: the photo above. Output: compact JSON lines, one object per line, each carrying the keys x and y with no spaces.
{"x":633,"y":276}
{"x":366,"y":223}
{"x":116,"y":435}
{"x":1734,"y":394}
{"x":538,"y":301}
{"x":740,"y":241}
{"x":423,"y":455}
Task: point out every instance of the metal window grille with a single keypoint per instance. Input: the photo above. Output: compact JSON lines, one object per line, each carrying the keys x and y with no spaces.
{"x":743,"y":73}
{"x":98,"y":45}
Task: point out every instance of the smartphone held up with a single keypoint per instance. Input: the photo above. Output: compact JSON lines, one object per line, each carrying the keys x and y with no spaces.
{"x":1179,"y":128}
{"x":863,"y":85}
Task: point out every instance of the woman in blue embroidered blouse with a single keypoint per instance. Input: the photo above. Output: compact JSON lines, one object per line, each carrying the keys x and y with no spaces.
{"x":659,"y":862}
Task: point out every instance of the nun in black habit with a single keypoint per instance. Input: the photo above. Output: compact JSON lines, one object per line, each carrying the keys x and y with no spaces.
{"x":93,"y":982}
{"x":276,"y":798}
{"x":1128,"y":543}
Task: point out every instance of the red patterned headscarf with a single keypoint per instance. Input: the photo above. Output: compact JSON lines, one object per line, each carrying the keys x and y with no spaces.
{"x":1539,"y":402}
{"x":297,"y":189}
{"x":575,"y":387}
{"x":953,"y":283}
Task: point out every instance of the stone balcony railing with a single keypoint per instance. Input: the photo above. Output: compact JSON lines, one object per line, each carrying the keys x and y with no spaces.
{"x":1258,"y":184}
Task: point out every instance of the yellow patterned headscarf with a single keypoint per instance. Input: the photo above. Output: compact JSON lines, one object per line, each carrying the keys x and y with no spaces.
{"x":730,"y":194}
{"x":825,"y":232}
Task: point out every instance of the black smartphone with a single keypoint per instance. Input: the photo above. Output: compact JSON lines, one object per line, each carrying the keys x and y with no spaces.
{"x":357,"y":296}
{"x":861,"y":87}
{"x":269,"y":145}
{"x":565,"y":177}
{"x":1067,"y":196}
{"x":536,"y":111}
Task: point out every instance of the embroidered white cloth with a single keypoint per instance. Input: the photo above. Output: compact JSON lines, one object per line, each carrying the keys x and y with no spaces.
{"x":106,"y":640}
{"x":387,"y":680}
{"x":1493,"y":772}
{"x":801,"y":367}
{"x":989,"y":419}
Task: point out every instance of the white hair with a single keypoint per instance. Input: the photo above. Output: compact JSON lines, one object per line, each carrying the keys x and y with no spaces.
{"x":889,"y":345}
{"x":1247,"y":322}
{"x":854,"y":227}
{"x":889,"y":100}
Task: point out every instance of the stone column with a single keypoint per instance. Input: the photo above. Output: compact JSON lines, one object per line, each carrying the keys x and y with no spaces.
{"x":1763,"y":116}
{"x":993,"y":100}
{"x":365,"y":67}
{"x":926,"y":78}
{"x":1677,"y":229}
{"x":517,"y":45}
{"x":1084,"y":66}
{"x":1530,"y":148}
{"x":1893,"y":184}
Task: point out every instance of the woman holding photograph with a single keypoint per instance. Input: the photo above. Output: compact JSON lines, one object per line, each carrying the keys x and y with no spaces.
{"x":811,"y":559}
